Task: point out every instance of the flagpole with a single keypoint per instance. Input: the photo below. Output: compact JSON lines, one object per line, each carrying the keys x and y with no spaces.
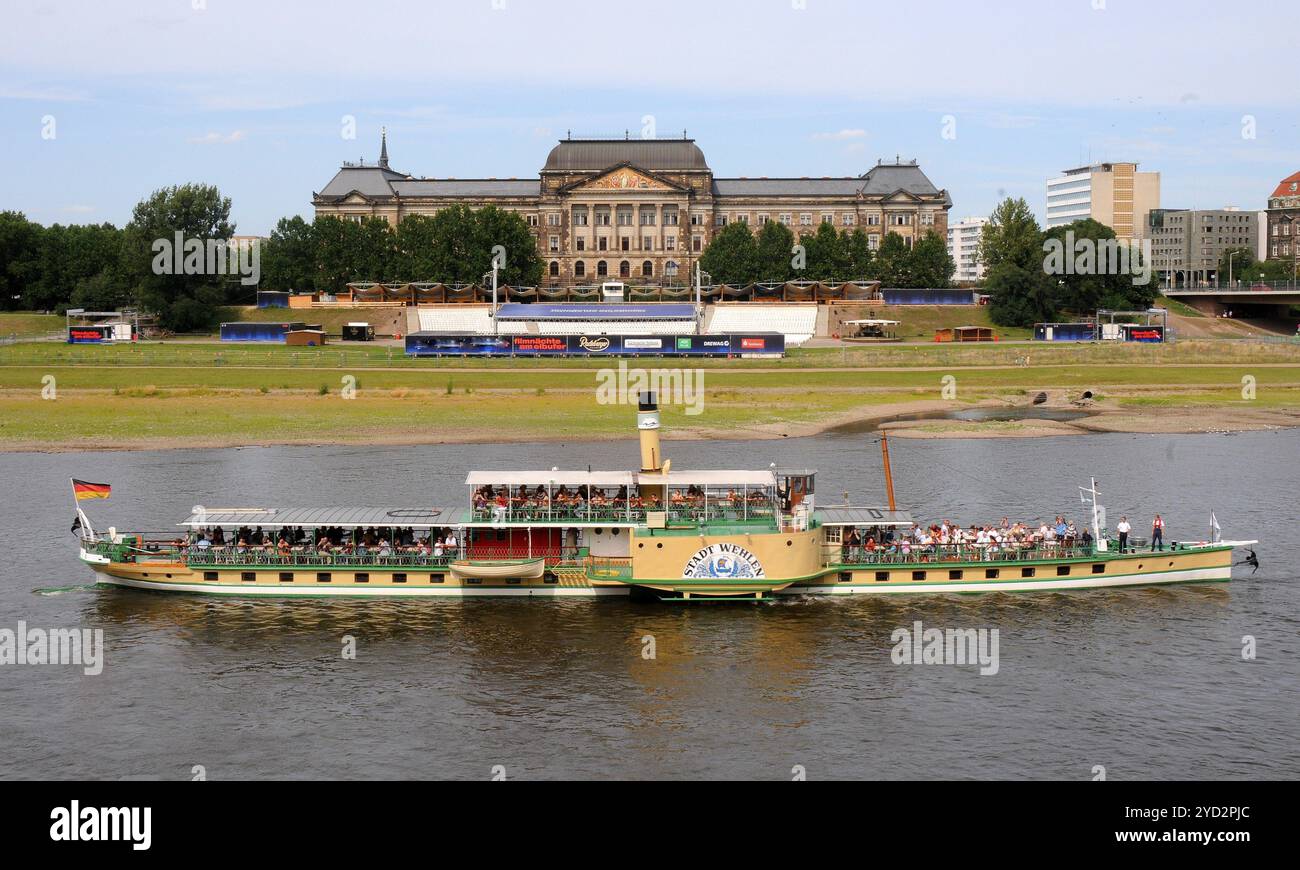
{"x":87,"y":531}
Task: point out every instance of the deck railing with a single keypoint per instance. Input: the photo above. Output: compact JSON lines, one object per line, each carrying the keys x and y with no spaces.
{"x":253,"y":556}
{"x":964,"y":553}
{"x":569,"y":513}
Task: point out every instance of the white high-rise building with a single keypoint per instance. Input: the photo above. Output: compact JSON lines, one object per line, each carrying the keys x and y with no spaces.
{"x":963,"y":247}
{"x":1114,"y":194}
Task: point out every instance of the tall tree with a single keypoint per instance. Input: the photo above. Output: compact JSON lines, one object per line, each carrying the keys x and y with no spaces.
{"x":1103,"y":272}
{"x":289,"y":256}
{"x":338,"y":253}
{"x":893,"y":262}
{"x":732,"y":256}
{"x":827,"y":254}
{"x":1011,"y":248}
{"x":415,"y":241}
{"x":504,"y":231}
{"x":189,"y":299}
{"x":775,"y":242}
{"x":19,"y":241}
{"x":857,"y":251}
{"x":930,"y":264}
{"x":1011,"y":236}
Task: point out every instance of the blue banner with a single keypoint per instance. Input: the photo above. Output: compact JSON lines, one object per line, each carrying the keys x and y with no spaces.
{"x":735,"y":344}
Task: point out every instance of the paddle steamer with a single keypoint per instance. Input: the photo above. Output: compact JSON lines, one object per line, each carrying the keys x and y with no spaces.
{"x":670,"y":533}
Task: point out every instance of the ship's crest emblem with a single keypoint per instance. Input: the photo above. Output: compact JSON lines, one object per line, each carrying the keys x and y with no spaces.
{"x":723,"y":562}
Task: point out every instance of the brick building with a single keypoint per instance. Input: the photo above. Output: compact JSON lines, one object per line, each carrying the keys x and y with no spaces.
{"x":1284,"y":220}
{"x":644,"y":209}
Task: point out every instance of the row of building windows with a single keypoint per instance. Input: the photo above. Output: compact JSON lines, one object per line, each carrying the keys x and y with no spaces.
{"x":624,"y":269}
{"x":624,"y":243}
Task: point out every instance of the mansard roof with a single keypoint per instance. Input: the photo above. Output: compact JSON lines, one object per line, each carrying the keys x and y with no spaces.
{"x":593,"y":155}
{"x":882,"y":180}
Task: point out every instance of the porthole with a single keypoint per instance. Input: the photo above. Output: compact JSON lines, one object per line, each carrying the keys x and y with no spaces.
{"x":640,"y":546}
{"x":789,"y":543}
{"x":659,"y":546}
{"x":614,"y":532}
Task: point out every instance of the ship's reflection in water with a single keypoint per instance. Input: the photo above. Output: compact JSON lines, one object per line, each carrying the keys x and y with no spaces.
{"x":1146,"y":682}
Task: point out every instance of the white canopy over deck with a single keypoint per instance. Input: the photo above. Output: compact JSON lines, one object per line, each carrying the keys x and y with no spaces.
{"x":709,"y":478}
{"x":319,"y":517}
{"x":554,"y":478}
{"x":847,"y":515}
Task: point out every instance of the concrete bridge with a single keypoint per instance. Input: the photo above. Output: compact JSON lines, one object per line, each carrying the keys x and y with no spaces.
{"x":1258,"y":301}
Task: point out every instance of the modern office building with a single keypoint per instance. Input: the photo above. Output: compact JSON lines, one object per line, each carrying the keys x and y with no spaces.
{"x":646,"y":208}
{"x":963,"y":246}
{"x":1114,"y":194}
{"x":1188,"y":245}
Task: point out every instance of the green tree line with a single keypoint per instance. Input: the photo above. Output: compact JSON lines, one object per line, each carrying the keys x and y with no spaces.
{"x":736,"y":255}
{"x":100,"y":267}
{"x":453,"y":246}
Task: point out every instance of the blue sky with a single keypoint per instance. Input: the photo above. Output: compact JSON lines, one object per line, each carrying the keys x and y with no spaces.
{"x":252,"y":96}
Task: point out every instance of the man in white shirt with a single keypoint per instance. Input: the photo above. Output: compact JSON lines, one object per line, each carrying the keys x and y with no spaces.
{"x":1123,"y":528}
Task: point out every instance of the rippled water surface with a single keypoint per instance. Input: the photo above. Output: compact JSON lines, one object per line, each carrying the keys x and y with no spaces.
{"x":1149,"y":683}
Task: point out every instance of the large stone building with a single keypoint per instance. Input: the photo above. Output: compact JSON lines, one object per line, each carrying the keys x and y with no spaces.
{"x":1284,"y":220}
{"x":645,"y":209}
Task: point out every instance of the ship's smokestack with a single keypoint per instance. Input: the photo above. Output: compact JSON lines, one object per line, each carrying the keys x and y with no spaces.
{"x":647,"y":423}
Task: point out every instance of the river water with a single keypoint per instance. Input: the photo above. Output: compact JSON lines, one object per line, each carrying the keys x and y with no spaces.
{"x":1147,"y":683}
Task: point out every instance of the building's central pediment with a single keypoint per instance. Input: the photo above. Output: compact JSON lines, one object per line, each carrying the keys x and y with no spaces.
{"x":624,"y":177}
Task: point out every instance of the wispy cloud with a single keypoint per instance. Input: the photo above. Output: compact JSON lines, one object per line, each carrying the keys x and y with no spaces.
{"x":54,"y":94}
{"x":841,"y":135}
{"x":214,"y":138}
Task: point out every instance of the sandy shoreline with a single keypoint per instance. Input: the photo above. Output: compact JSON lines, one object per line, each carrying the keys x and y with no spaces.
{"x":1100,"y":419}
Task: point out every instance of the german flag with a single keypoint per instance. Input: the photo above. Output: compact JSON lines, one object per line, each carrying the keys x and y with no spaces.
{"x":84,"y":490}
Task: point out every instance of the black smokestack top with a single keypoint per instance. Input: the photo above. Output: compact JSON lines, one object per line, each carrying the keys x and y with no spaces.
{"x":647,"y":401}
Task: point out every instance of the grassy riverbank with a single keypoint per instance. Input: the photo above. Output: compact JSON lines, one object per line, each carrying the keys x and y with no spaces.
{"x":177,"y":395}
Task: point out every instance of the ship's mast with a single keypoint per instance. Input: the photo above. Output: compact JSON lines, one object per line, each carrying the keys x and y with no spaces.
{"x":889,"y":475}
{"x":1092,"y":492}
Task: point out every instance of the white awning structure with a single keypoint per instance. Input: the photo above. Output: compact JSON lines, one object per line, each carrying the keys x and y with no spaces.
{"x":550,"y":478}
{"x":710,"y":477}
{"x":872,"y":322}
{"x":316,"y":517}
{"x":847,"y":515}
